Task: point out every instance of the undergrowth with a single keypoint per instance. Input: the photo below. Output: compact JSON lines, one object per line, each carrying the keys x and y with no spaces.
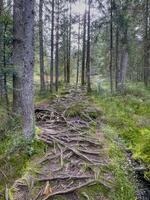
{"x":129,"y":115}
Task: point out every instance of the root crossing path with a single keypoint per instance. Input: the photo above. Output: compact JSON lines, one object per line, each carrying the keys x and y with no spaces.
{"x":75,"y":161}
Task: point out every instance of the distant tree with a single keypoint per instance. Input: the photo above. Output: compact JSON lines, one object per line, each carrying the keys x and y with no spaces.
{"x":88,"y":60}
{"x":83,"y":49}
{"x":146,"y":42}
{"x":52,"y":46}
{"x":41,"y":48}
{"x":78,"y":56}
{"x":57,"y":46}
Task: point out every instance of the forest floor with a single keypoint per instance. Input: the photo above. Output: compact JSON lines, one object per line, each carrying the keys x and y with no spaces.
{"x":80,"y":155}
{"x":76,"y":164}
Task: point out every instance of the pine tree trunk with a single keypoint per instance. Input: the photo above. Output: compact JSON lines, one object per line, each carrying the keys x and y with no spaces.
{"x":88,"y":61}
{"x":1,"y":54}
{"x":57,"y":49}
{"x":52,"y":48}
{"x":83,"y":52}
{"x":78,"y":59}
{"x":69,"y":45}
{"x":111,"y":48}
{"x":23,"y":58}
{"x":146,"y":59}
{"x":41,"y":50}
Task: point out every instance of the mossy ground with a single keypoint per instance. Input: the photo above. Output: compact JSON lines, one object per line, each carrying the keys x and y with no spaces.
{"x":128,"y":115}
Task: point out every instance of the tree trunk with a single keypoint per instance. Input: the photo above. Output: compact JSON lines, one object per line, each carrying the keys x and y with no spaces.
{"x":146,"y":43}
{"x":57,"y":49}
{"x":88,"y":61}
{"x":23,"y":58}
{"x":116,"y":58}
{"x":83,"y":52}
{"x":41,"y":50}
{"x":4,"y":67}
{"x":69,"y":45}
{"x":111,"y":48}
{"x":52,"y":48}
{"x":78,"y":59}
{"x":1,"y":54}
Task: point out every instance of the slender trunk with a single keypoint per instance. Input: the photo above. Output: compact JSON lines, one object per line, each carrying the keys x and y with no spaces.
{"x":88,"y":61}
{"x":4,"y":64}
{"x":83,"y":52}
{"x":1,"y":54}
{"x":117,"y":53}
{"x":41,"y":50}
{"x":69,"y":45}
{"x":146,"y":59}
{"x":57,"y":49}
{"x":78,"y":59}
{"x":111,"y":48}
{"x":64,"y":50}
{"x":52,"y":49}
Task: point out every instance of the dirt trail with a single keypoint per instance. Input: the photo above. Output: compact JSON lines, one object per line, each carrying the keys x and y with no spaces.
{"x":75,"y":157}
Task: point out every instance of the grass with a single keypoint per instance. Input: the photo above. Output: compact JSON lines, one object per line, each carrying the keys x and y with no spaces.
{"x":15,"y":153}
{"x":129,"y":115}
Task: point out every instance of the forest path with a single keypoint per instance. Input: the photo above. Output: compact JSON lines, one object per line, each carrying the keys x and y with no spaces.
{"x":76,"y":155}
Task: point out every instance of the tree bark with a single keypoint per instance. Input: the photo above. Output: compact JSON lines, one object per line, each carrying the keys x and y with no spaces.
{"x":146,"y":44}
{"x":83,"y":52}
{"x":57,"y":49}
{"x":111,"y":48}
{"x":23,"y":58}
{"x":52,"y":48}
{"x":69,"y":45}
{"x":88,"y":61}
{"x":41,"y":50}
{"x":1,"y":54}
{"x":78,"y":59}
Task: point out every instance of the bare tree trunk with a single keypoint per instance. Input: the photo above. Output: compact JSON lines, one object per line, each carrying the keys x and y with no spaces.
{"x":117,"y":61}
{"x":78,"y":59}
{"x":41,"y":50}
{"x":52,"y":49}
{"x":1,"y":54}
{"x":4,"y":67}
{"x":123,"y":67}
{"x":18,"y":39}
{"x":146,"y":59}
{"x":23,"y":58}
{"x":69,"y":45}
{"x":88,"y":60}
{"x":57,"y":49}
{"x":83,"y":52}
{"x":111,"y":48}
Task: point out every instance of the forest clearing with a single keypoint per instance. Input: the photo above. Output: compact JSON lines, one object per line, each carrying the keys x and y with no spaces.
{"x":74,"y":100}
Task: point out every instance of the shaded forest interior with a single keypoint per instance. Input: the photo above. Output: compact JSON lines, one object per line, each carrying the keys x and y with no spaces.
{"x":75,"y":99}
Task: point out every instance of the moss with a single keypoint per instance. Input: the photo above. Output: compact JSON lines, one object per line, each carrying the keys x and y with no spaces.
{"x":129,"y":114}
